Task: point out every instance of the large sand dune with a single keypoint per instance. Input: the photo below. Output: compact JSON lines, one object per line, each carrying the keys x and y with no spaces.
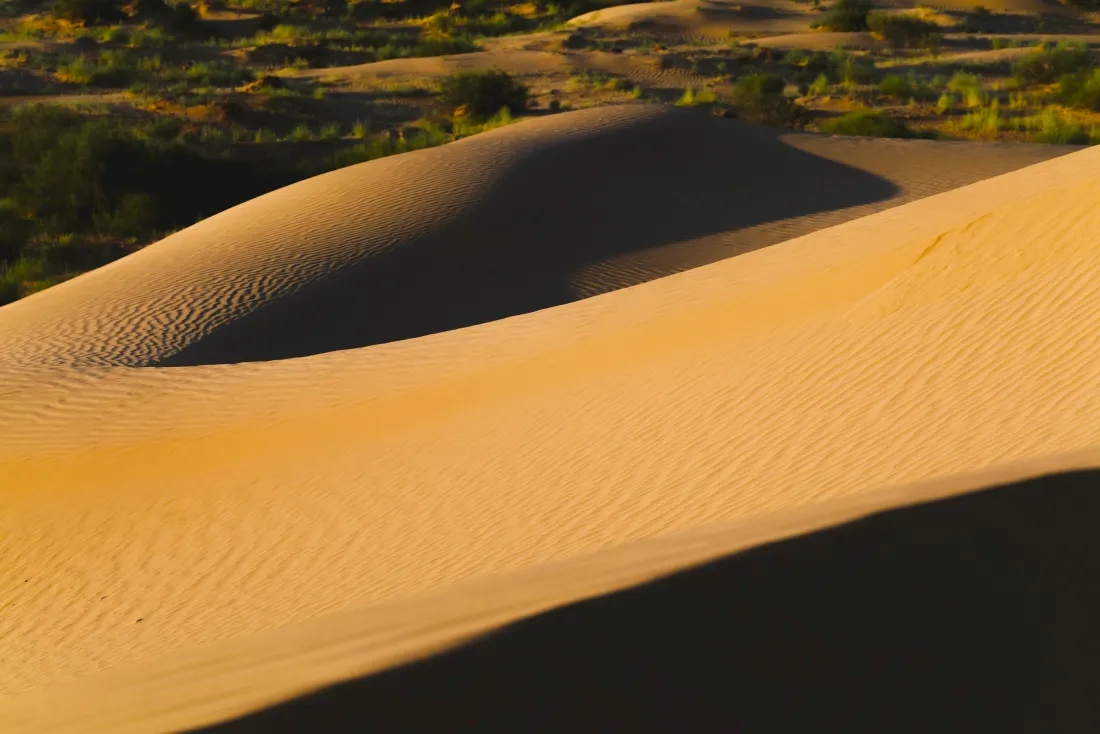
{"x":149,"y":511}
{"x":515,"y":220}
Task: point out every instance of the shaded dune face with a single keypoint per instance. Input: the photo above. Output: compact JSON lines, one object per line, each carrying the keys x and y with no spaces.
{"x":973,"y":613}
{"x":504,"y":223}
{"x":553,"y":211}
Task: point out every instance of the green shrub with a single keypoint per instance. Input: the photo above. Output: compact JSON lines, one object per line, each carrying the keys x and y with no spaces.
{"x":847,"y":16}
{"x":1050,"y":126}
{"x":691,"y":97}
{"x":905,"y":31}
{"x":481,"y":94}
{"x":1081,"y":90}
{"x":22,"y":277}
{"x":871,"y":123}
{"x":986,"y":120}
{"x":761,"y":99}
{"x":852,"y":69}
{"x":895,"y":86}
{"x":1044,"y":67}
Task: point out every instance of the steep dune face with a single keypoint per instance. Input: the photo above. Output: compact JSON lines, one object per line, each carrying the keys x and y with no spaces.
{"x":512,"y":221}
{"x":148,"y":510}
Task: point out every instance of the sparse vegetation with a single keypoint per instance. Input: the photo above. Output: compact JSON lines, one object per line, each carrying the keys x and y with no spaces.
{"x":847,"y":16}
{"x":1046,"y":66}
{"x":481,"y":94}
{"x":905,"y":31}
{"x":1081,"y":90}
{"x":761,"y":99}
{"x":873,"y":123}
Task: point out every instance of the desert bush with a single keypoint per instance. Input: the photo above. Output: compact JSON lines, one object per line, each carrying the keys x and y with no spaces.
{"x":820,"y":85}
{"x":905,"y":31}
{"x":692,"y":97}
{"x":852,"y":69}
{"x":481,"y":94}
{"x":1081,"y":90}
{"x":985,"y":120}
{"x":871,"y":123}
{"x":22,"y":277}
{"x":1044,"y":67}
{"x":760,"y":98}
{"x":1051,"y":126}
{"x":896,"y":86}
{"x":847,"y":16}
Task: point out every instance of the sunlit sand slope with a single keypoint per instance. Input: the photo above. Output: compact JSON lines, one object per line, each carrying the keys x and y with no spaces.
{"x":935,"y":610}
{"x":147,"y":510}
{"x":518,"y":219}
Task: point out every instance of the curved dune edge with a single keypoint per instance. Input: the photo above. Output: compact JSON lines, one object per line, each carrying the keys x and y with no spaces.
{"x":202,"y":686}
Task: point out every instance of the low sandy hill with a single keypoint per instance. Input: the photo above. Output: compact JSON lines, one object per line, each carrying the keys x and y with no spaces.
{"x":145,"y":511}
{"x":489,"y":227}
{"x":822,"y":41}
{"x":717,"y":19}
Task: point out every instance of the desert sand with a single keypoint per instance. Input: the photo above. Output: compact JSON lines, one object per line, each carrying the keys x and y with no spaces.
{"x":205,"y":509}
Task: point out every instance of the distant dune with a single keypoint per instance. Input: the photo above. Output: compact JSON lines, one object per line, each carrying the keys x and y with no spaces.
{"x":187,"y":544}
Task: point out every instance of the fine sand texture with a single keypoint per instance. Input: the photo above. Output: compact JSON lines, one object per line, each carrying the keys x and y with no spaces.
{"x":145,"y":511}
{"x":489,"y":227}
{"x":900,"y":621}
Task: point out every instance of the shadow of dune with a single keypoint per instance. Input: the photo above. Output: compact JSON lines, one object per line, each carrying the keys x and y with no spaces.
{"x":971,"y":614}
{"x":561,"y":207}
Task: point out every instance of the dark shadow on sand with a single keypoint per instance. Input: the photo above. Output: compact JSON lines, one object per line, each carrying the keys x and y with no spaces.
{"x":972,"y":614}
{"x":568,"y":205}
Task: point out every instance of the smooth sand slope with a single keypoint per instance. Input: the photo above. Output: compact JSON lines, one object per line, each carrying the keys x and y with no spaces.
{"x":527,"y":217}
{"x":146,"y":511}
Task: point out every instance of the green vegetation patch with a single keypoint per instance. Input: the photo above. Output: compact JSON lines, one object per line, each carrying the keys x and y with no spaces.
{"x":870,"y":123}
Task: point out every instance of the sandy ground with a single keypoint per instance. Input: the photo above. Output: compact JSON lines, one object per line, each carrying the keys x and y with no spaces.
{"x":148,"y":511}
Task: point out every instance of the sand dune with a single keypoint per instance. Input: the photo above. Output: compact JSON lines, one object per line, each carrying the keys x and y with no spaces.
{"x":486,"y":228}
{"x":146,"y":511}
{"x":716,"y":19}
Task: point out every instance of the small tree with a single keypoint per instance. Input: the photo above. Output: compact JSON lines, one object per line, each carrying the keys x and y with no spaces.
{"x":481,"y":94}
